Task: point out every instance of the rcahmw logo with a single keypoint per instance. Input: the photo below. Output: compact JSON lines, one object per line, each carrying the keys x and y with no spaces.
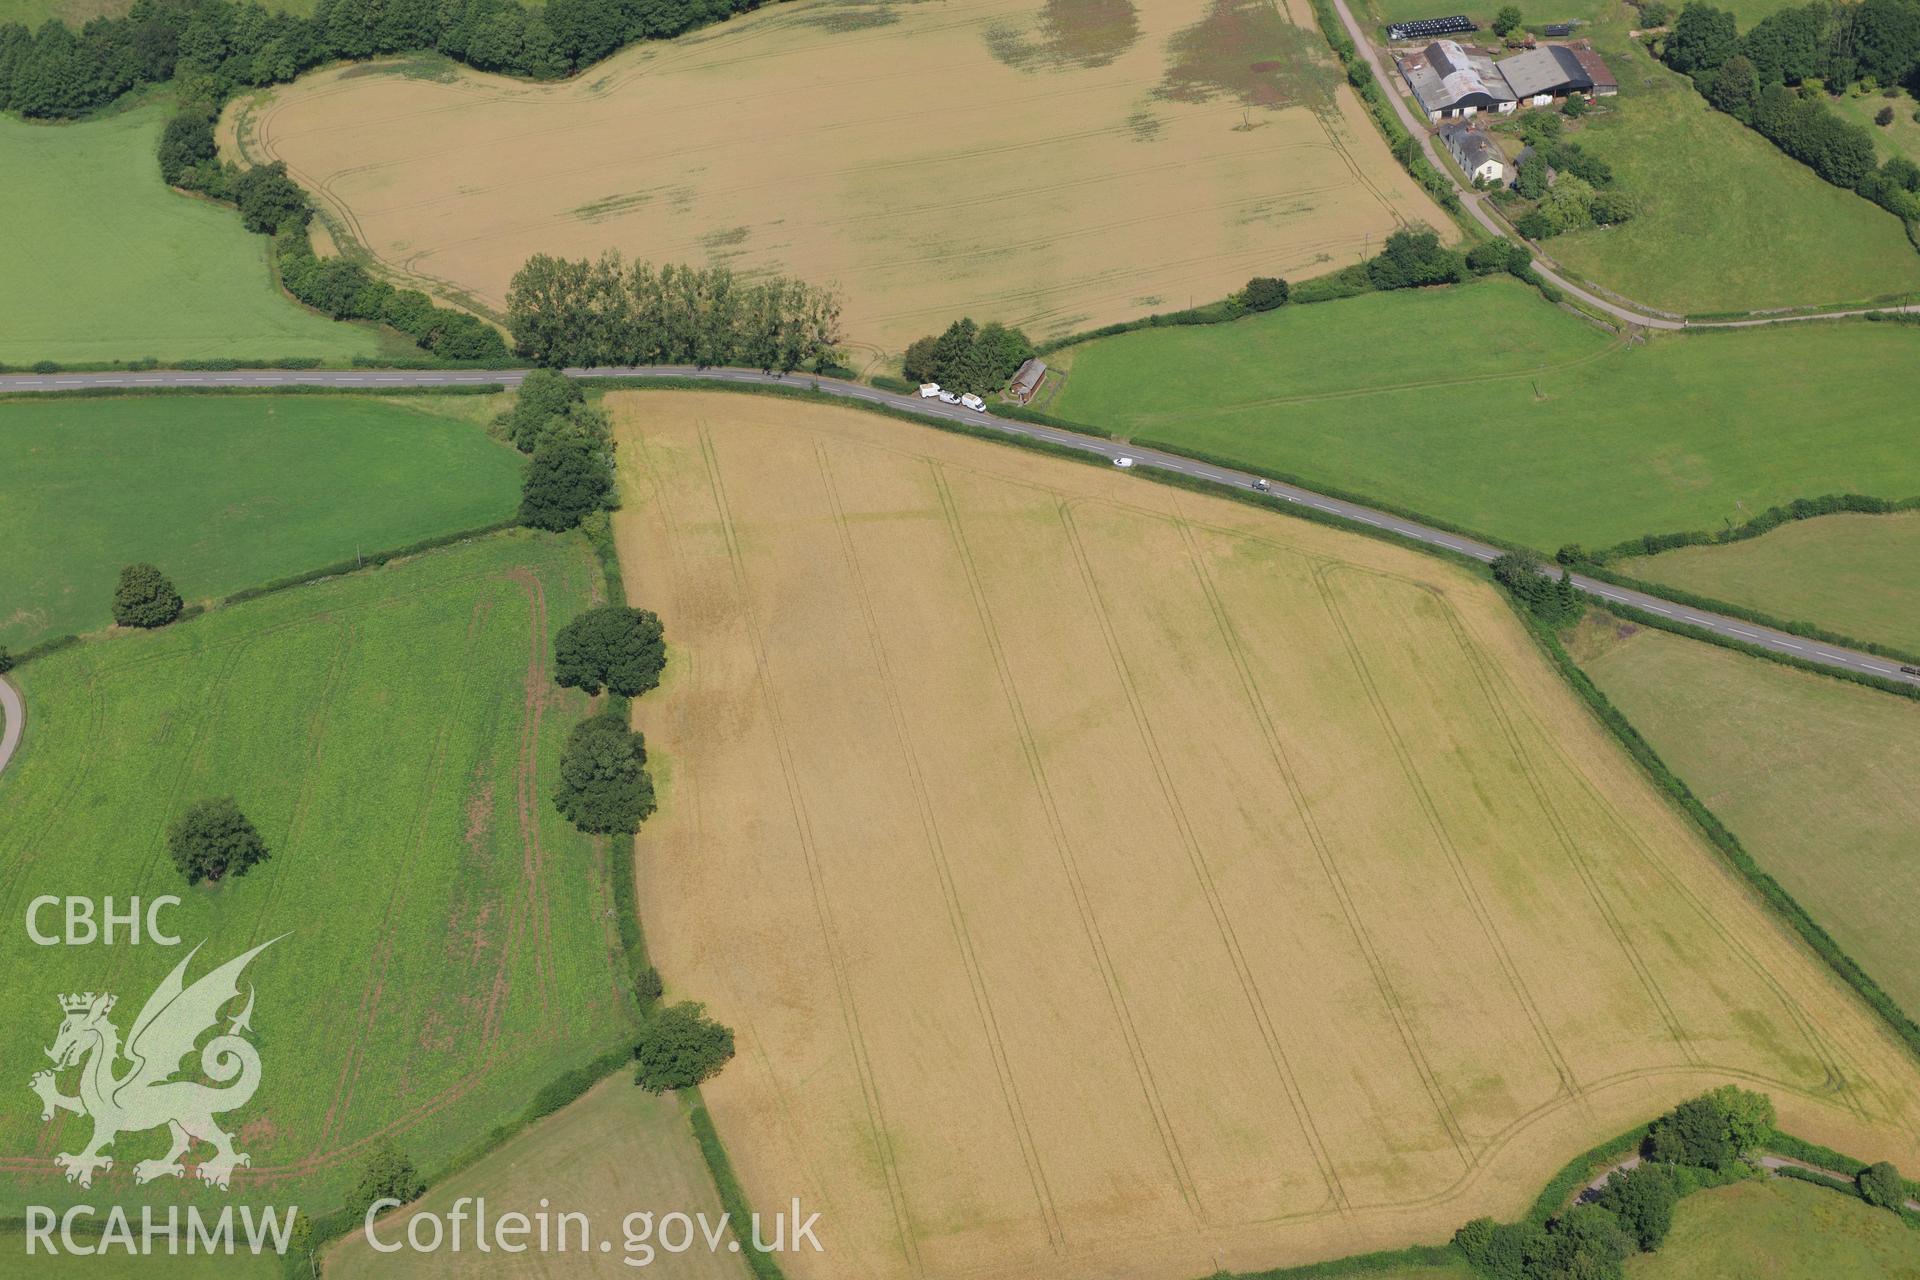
{"x":143,"y":1094}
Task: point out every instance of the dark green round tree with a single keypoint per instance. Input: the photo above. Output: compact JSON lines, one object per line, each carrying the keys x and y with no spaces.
{"x":1881,"y":1184}
{"x":388,"y":1175}
{"x":679,"y":1047}
{"x":213,"y":840}
{"x":612,"y":647}
{"x":144,"y":598}
{"x":568,"y":478}
{"x":604,"y":785}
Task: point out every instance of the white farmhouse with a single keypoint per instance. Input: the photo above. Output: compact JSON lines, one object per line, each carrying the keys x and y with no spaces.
{"x":1479,"y":156}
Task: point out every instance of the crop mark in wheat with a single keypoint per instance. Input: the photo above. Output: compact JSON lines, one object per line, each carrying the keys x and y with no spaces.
{"x":1196,"y":856}
{"x":1063,"y":847}
{"x":936,"y":852}
{"x":803,"y":830}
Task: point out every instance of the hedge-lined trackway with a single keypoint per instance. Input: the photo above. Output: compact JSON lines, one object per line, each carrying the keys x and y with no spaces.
{"x":1734,"y":629}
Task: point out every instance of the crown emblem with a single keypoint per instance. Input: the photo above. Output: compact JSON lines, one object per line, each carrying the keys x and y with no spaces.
{"x":81,"y":1001}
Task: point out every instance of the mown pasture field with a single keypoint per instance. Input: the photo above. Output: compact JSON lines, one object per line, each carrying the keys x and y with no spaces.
{"x":615,"y":1152}
{"x":1814,"y":775}
{"x":1487,"y":407}
{"x":1056,"y":166}
{"x":106,"y":263}
{"x":1727,"y":221}
{"x":1105,"y":880}
{"x":225,"y":492}
{"x":1783,"y":1230}
{"x":1900,"y":137}
{"x":1607,"y":15}
{"x":449,"y":943}
{"x":1855,"y":574}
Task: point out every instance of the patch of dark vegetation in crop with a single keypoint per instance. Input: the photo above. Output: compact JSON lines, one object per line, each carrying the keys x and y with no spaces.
{"x":1247,"y":50}
{"x":1067,"y":34}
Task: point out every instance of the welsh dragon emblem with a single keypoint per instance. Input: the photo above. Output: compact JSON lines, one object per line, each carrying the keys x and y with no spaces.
{"x":145,"y":1095}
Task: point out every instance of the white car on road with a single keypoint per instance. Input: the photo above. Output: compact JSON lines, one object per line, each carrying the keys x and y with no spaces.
{"x":947,"y":397}
{"x":974,"y":402}
{"x":1123,"y":463}
{"x":928,"y":390}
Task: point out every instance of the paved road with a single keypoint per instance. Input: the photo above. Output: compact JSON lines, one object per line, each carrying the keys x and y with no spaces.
{"x":1475,"y":203}
{"x":374,"y":380}
{"x":16,"y":717}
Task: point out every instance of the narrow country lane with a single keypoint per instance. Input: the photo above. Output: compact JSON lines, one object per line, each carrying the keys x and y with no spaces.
{"x":1476,"y":205}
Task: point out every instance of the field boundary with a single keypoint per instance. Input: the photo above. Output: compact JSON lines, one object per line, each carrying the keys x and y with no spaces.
{"x":339,"y":569}
{"x":1775,"y":896}
{"x":1695,"y":600}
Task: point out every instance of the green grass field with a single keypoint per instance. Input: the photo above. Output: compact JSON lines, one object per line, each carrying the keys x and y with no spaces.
{"x":1780,"y":1230}
{"x":1485,"y":406}
{"x":448,"y":944}
{"x":106,"y":263}
{"x":1815,"y":776}
{"x":1900,"y":138}
{"x":225,"y":492}
{"x":1855,"y":574}
{"x":1728,"y":222}
{"x":1606,"y":13}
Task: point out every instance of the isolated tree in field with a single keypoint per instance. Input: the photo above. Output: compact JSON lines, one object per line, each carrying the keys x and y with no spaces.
{"x":388,"y":1175}
{"x":612,"y":647}
{"x":1881,"y":1184}
{"x":605,"y":788}
{"x":1883,"y":117}
{"x":213,"y":840}
{"x":545,"y":394}
{"x":1507,"y":21}
{"x":567,"y":478}
{"x":679,"y":1047}
{"x":1264,"y":293}
{"x":144,"y":597}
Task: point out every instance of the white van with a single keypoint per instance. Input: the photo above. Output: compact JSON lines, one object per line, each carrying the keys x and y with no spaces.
{"x":928,"y":390}
{"x":974,"y":402}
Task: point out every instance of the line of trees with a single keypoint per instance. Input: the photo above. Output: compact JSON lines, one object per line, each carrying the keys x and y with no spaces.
{"x":608,"y":312}
{"x":273,"y":204}
{"x":217,"y":47}
{"x":1769,"y":79}
{"x":1772,"y":518}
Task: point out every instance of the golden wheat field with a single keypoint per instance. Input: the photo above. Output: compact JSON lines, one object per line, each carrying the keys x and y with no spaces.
{"x":1056,"y":164}
{"x":1105,"y":880}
